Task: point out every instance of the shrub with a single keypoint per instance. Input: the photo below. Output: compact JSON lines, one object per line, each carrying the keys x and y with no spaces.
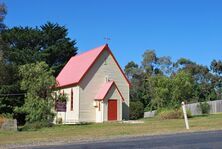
{"x":136,"y":110}
{"x":189,"y":113}
{"x":7,"y":115}
{"x":148,"y":109}
{"x":204,"y":107}
{"x":37,"y":80}
{"x":172,"y":114}
{"x":2,"y":120}
{"x":36,"y":125}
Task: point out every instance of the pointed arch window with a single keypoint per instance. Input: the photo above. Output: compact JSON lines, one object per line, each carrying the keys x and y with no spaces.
{"x":71,"y":104}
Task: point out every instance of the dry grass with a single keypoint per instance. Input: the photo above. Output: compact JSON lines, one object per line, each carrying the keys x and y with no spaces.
{"x":151,"y":126}
{"x":2,"y":120}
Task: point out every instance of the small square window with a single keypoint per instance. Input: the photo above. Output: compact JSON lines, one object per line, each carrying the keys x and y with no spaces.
{"x":105,"y":62}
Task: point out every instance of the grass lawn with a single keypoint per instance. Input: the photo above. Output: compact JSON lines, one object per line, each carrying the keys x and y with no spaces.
{"x":152,"y":126}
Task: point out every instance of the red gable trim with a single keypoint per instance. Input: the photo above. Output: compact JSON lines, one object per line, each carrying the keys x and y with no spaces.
{"x":119,"y":91}
{"x":103,"y":90}
{"x":113,"y":83}
{"x":92,"y":63}
{"x":66,"y":86}
{"x":106,"y":47}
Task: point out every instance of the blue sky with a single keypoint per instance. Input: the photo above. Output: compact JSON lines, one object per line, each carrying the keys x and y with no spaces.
{"x":175,"y":28}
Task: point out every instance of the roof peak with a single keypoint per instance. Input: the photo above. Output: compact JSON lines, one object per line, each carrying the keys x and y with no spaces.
{"x":88,"y":51}
{"x":77,"y":67}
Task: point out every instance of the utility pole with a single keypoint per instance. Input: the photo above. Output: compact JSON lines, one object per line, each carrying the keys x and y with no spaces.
{"x":185,"y":115}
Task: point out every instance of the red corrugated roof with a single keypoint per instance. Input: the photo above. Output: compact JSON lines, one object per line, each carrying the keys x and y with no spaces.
{"x":78,"y":66}
{"x":103,"y":91}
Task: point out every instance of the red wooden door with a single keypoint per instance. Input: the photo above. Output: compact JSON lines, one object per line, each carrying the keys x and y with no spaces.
{"x":112,"y":110}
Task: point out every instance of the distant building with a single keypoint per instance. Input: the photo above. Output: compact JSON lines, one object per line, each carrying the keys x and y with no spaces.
{"x":96,"y":87}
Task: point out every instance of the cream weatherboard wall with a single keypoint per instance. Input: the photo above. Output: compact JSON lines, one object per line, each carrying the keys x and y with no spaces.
{"x":105,"y":66}
{"x":70,"y":116}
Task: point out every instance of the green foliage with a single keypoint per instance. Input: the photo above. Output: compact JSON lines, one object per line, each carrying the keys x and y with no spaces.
{"x":207,"y":84}
{"x":160,"y":83}
{"x":160,"y":93}
{"x":62,"y":97}
{"x":149,"y":61}
{"x":165,"y":65}
{"x":25,"y":45}
{"x":9,"y":82}
{"x":37,"y":81}
{"x":147,"y":108}
{"x":182,"y":88}
{"x":204,"y":107}
{"x":3,"y":12}
{"x":140,"y":89}
{"x":189,"y":113}
{"x":131,"y":69}
{"x":216,"y":66}
{"x":169,"y":92}
{"x":136,"y":110}
{"x":48,"y":43}
{"x":7,"y":115}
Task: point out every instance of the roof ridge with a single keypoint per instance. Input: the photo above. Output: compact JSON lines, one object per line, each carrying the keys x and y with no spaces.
{"x":88,"y":51}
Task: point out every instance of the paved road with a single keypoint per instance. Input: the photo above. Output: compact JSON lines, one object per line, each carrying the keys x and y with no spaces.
{"x":202,"y":140}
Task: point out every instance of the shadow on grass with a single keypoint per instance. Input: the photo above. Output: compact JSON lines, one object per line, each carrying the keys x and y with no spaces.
{"x":197,"y":116}
{"x":80,"y":124}
{"x":31,"y":127}
{"x":72,"y":125}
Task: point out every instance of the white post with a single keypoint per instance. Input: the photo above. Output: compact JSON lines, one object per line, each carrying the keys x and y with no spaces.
{"x":185,"y":115}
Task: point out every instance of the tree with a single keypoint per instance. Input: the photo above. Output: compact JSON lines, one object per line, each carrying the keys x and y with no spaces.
{"x":3,"y":12}
{"x":182,"y":88}
{"x":136,"y":110}
{"x":56,"y":47}
{"x":154,"y":65}
{"x":216,"y":66}
{"x":161,"y":92}
{"x":149,"y":61}
{"x":48,"y":43}
{"x":205,"y":81}
{"x":131,"y":69}
{"x":165,"y":65}
{"x":37,"y":81}
{"x":25,"y":45}
{"x":9,"y":97}
{"x":141,"y":77}
{"x":139,"y":90}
